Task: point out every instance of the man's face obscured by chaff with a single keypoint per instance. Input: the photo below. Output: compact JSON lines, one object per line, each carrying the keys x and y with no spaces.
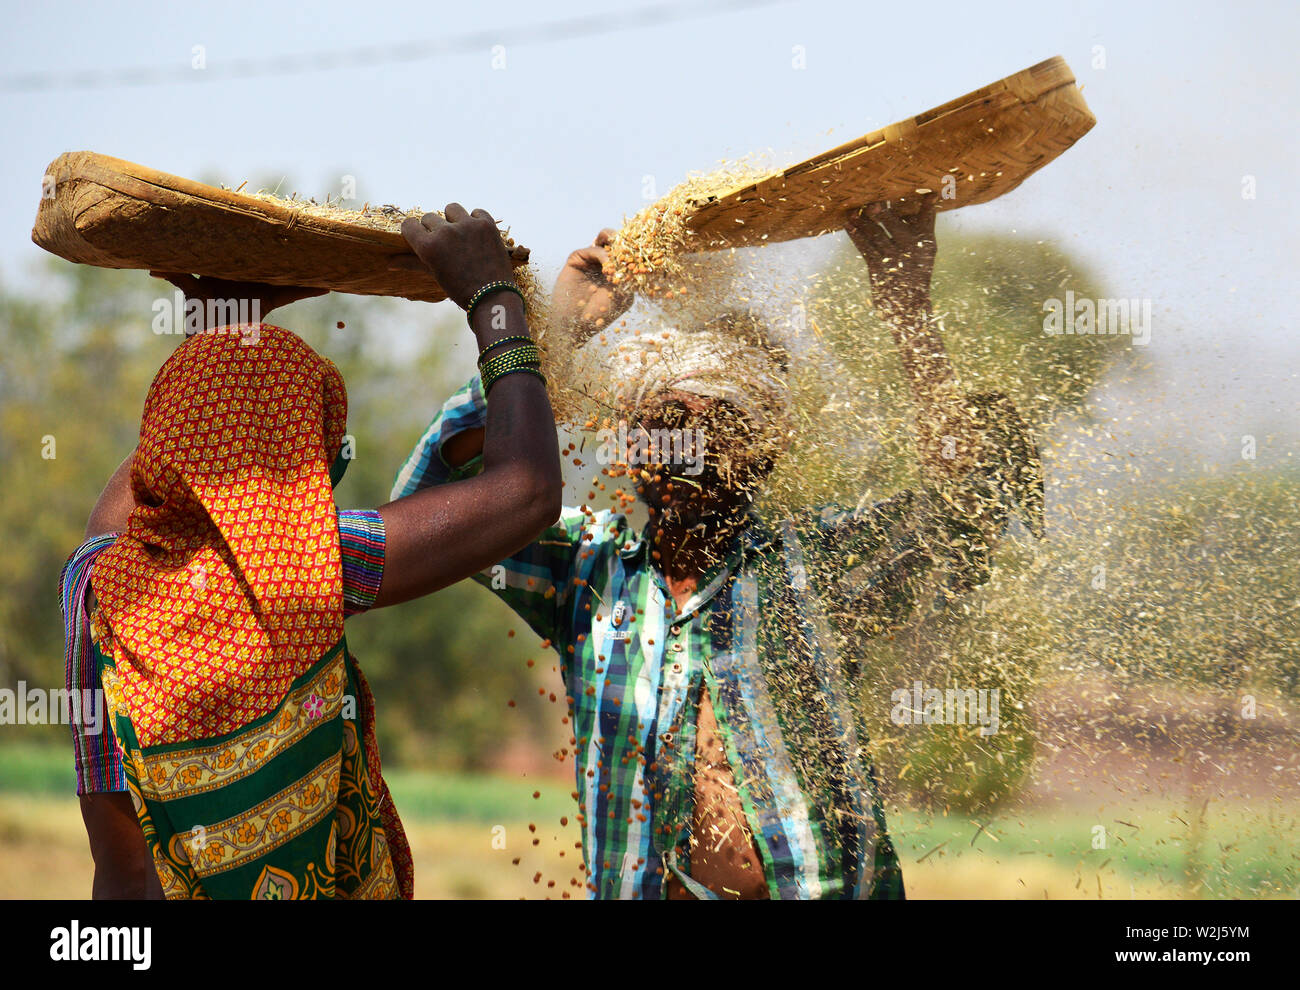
{"x":693,"y":458}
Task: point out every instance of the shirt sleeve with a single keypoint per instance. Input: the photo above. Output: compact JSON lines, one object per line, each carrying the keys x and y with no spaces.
{"x":883,"y":558}
{"x":97,"y":757}
{"x":361,"y":540}
{"x":538,"y":581}
{"x":465,"y":410}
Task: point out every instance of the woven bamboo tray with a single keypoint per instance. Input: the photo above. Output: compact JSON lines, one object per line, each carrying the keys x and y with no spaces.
{"x":116,"y":214}
{"x":989,"y":141}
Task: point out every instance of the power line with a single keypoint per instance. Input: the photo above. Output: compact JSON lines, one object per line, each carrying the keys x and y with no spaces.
{"x":368,"y":56}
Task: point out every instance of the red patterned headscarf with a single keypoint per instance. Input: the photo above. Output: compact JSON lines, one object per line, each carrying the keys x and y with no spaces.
{"x":227,"y":584}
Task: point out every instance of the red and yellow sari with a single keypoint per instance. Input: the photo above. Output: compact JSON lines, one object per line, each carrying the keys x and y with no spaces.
{"x":246,"y":726}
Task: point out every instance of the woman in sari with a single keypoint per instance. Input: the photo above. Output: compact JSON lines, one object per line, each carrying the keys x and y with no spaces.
{"x":209,"y":599}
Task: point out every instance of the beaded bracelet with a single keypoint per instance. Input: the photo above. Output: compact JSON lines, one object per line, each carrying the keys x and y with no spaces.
{"x":510,"y":359}
{"x":517,"y":357}
{"x":517,"y":339}
{"x":486,"y":290}
{"x":527,"y":353}
{"x":510,"y":371}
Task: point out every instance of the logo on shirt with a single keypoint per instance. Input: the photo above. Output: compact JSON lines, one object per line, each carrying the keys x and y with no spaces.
{"x":616,"y":618}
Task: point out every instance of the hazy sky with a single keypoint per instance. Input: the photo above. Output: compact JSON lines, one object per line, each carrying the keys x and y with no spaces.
{"x":1192,"y":98}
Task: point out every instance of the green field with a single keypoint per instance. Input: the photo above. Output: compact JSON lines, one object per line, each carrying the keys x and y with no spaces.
{"x":454,"y":820}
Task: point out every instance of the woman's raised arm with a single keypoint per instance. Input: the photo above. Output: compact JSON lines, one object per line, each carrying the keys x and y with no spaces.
{"x":440,"y":535}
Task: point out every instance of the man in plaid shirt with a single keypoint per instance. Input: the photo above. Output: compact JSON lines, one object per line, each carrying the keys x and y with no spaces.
{"x":716,"y":738}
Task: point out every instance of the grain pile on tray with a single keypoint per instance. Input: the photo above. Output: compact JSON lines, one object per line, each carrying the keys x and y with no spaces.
{"x":650,"y":248}
{"x":103,"y":211}
{"x":387,"y":217}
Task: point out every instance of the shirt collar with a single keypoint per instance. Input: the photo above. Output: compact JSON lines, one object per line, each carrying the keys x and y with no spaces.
{"x":714,"y":578}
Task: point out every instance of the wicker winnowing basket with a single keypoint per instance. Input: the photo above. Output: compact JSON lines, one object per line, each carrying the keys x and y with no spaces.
{"x":103,"y":211}
{"x":988,"y":142}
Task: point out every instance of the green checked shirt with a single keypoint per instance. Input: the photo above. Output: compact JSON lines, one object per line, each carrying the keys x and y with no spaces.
{"x":758,"y":634}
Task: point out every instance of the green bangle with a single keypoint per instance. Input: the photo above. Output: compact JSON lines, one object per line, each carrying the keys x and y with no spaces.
{"x":517,"y":339}
{"x":508,"y":361}
{"x":527,"y":353}
{"x":510,"y":371}
{"x":486,"y":290}
{"x":519,"y":357}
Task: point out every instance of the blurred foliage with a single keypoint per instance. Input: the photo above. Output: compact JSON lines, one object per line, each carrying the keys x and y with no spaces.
{"x":1192,"y":585}
{"x":856,"y":414}
{"x":1194,"y":580}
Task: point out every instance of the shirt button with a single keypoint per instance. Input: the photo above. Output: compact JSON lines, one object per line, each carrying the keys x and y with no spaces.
{"x":677,"y":647}
{"x":675,"y":630}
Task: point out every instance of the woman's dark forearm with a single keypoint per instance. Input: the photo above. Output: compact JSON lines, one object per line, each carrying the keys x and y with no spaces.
{"x":124,"y":868}
{"x":520,"y":444}
{"x":445,"y":533}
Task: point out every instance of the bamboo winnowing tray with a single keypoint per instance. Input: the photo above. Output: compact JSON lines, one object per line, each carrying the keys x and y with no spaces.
{"x":988,"y":141}
{"x":103,"y":211}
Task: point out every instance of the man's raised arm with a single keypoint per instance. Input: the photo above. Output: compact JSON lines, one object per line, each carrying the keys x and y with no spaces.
{"x":958,"y":435}
{"x":899,"y":248}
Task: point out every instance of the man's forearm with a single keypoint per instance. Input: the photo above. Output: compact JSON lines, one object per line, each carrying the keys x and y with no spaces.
{"x":943,"y":448}
{"x":899,"y":249}
{"x":929,"y":373}
{"x":463,"y":447}
{"x":952,"y":427}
